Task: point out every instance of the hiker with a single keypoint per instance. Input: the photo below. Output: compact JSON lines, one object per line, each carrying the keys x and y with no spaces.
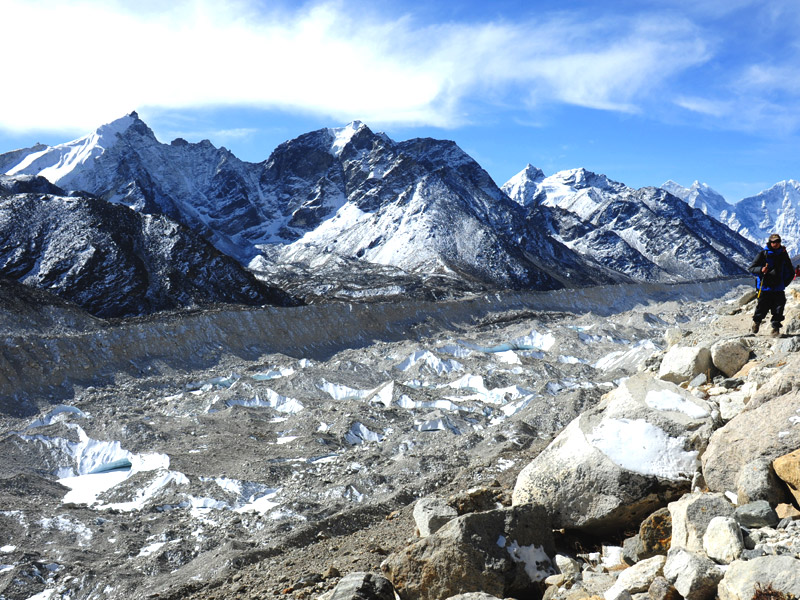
{"x":774,"y":271}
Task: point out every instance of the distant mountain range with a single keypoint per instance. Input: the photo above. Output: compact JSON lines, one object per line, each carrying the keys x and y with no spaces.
{"x":335,"y":213}
{"x":648,"y":234}
{"x":775,"y":210}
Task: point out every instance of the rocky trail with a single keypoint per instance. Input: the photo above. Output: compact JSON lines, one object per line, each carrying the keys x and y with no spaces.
{"x":523,"y":451}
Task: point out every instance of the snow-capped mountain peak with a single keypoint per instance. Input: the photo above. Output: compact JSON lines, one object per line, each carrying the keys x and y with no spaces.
{"x":775,"y":210}
{"x":524,"y":186}
{"x":700,"y":196}
{"x":343,"y":135}
{"x":582,"y":178}
{"x":57,"y":163}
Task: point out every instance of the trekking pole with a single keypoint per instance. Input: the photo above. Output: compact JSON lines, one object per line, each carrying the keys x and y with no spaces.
{"x":760,"y":284}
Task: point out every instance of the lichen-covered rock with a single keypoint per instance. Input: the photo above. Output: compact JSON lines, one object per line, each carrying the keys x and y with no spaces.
{"x":655,"y":533}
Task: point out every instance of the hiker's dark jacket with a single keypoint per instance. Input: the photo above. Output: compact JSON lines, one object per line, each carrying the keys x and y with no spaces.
{"x":780,"y":272}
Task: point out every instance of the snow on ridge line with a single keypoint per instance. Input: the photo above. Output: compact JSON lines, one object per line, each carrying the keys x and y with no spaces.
{"x":343,"y":135}
{"x":56,"y":163}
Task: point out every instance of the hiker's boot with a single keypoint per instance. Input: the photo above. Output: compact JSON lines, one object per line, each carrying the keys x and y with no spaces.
{"x":754,"y":327}
{"x":776,"y":332}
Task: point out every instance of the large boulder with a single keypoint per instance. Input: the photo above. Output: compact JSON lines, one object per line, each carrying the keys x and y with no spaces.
{"x":502,"y":552}
{"x":743,"y":578}
{"x":683,"y":363}
{"x":729,"y":356}
{"x":769,"y":431}
{"x":621,"y":460}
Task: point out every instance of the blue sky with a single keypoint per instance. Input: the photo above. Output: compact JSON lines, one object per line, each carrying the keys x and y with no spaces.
{"x":642,"y":91}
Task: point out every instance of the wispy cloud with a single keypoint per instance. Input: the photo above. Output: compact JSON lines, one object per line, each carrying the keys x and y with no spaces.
{"x":82,"y":63}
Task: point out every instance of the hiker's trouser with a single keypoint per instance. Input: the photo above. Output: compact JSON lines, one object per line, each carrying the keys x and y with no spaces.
{"x":770,"y":301}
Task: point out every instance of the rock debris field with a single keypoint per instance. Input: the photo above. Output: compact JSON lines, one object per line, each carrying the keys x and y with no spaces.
{"x":646,"y":452}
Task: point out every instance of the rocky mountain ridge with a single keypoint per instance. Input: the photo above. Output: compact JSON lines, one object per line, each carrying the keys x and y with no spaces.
{"x":648,"y":234}
{"x":350,"y":214}
{"x":773,"y":210}
{"x":113,"y":261}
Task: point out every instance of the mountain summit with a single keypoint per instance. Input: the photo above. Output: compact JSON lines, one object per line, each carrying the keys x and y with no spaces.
{"x":334,"y":212}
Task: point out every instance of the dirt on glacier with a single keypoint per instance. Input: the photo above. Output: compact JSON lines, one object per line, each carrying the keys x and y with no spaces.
{"x":277,"y":476}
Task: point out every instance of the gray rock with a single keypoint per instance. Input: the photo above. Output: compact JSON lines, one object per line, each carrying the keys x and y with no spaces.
{"x":594,"y":584}
{"x":698,"y":380}
{"x":787,"y":345}
{"x":615,"y":593}
{"x":741,"y":579}
{"x":363,"y":586}
{"x":502,"y":552}
{"x":691,"y":516}
{"x":757,"y":514}
{"x":632,"y":550}
{"x":723,"y":541}
{"x":751,"y":553}
{"x":730,"y":405}
{"x":661,"y":589}
{"x":586,"y":480}
{"x":747,"y":297}
{"x":568,"y":566}
{"x":694,"y":575}
{"x":672,"y":336}
{"x":729,"y":356}
{"x":751,"y":435}
{"x":638,"y":578}
{"x":757,"y":481}
{"x":682,"y":363}
{"x":431,"y":513}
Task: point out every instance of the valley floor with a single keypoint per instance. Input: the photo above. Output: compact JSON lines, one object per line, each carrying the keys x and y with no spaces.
{"x":189,"y":457}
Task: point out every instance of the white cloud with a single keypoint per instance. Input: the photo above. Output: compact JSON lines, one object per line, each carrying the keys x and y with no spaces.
{"x":82,"y":63}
